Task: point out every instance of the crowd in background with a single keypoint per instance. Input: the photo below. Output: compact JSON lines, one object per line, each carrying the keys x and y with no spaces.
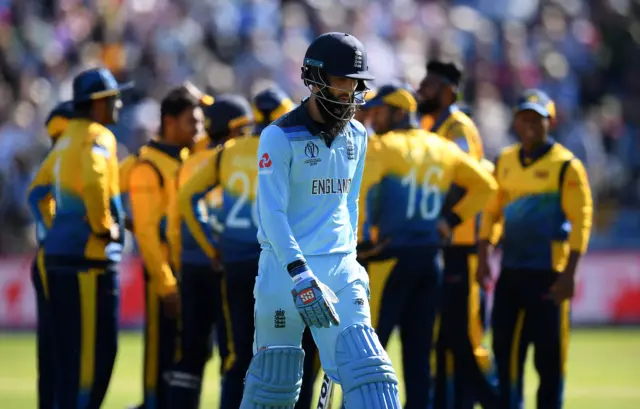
{"x":585,"y":54}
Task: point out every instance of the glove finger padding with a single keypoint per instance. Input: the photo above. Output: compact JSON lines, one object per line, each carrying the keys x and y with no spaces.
{"x":331,"y":313}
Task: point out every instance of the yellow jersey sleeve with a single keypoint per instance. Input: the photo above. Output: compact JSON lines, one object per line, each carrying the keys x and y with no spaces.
{"x":491,"y":218}
{"x":190,"y":193}
{"x":96,"y":186}
{"x":174,"y":236}
{"x":147,"y":210}
{"x":479,"y":184}
{"x":577,"y":205}
{"x":372,"y":176}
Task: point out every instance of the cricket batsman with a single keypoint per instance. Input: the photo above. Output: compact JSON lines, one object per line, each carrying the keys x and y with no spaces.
{"x":44,"y":209}
{"x":83,"y":244}
{"x":464,"y":368}
{"x":407,"y":206}
{"x":544,"y":201}
{"x":310,"y":165}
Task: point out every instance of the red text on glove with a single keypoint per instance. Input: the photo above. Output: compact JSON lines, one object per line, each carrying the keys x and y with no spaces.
{"x":307,"y":296}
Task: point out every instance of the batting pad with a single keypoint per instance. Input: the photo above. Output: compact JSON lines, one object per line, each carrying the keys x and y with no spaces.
{"x":274,"y":378}
{"x":366,"y":375}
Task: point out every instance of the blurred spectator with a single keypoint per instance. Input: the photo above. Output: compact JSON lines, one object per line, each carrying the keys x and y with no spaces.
{"x":584,"y":53}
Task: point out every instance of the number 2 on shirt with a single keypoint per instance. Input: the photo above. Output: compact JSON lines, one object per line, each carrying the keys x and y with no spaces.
{"x":234,"y":221}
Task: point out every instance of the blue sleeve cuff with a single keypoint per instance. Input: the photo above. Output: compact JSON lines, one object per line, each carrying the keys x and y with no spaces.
{"x":297,"y":267}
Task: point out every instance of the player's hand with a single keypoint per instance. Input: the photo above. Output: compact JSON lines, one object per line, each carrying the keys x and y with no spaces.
{"x":114,"y":232}
{"x":171,"y":304}
{"x":314,"y":302}
{"x":367,"y":250}
{"x":444,"y":230}
{"x":564,"y":287}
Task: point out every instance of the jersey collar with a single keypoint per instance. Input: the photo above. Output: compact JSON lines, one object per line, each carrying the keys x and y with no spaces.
{"x":170,"y":150}
{"x":444,"y":116}
{"x":527,"y":160}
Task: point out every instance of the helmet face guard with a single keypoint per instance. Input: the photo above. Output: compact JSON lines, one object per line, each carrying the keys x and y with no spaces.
{"x":338,"y":55}
{"x":317,"y":80}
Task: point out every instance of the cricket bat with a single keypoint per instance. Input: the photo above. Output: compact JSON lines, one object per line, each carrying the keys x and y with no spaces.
{"x":326,"y":393}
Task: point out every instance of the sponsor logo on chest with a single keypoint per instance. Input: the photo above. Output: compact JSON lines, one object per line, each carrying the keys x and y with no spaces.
{"x":330,"y":186}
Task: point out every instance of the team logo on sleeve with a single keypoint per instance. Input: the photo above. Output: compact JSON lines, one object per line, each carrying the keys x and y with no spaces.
{"x":265,"y":164}
{"x":312,"y":151}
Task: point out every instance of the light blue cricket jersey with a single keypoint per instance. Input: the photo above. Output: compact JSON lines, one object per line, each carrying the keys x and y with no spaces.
{"x":308,"y":191}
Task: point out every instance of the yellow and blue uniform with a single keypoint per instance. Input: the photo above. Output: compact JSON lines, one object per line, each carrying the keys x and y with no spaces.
{"x":233,"y":169}
{"x":78,"y":258}
{"x":417,"y":170}
{"x":200,"y":291}
{"x":545,"y":204}
{"x":44,"y":211}
{"x":151,"y":185}
{"x":463,"y":364}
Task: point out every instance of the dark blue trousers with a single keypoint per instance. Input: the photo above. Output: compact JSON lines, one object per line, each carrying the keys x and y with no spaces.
{"x":83,"y":312}
{"x":44,"y":334}
{"x":405,"y":287}
{"x":201,"y":317}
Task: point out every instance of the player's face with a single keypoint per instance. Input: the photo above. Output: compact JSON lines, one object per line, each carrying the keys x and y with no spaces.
{"x":380,"y":119}
{"x":189,"y":125}
{"x":429,"y":94}
{"x":531,"y":127}
{"x":342,"y":88}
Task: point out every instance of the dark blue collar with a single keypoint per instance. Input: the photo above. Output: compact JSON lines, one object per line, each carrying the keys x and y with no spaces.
{"x":444,"y":116}
{"x":526,"y":160}
{"x":171,"y":150}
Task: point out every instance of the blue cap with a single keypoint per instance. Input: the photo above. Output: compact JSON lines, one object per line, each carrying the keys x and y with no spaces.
{"x":95,"y":84}
{"x":339,"y":54}
{"x":395,"y":95}
{"x":538,"y":101}
{"x":229,"y":111}
{"x":269,"y":105}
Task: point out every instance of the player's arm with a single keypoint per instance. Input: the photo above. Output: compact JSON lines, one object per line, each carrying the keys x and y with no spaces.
{"x":274,"y":156}
{"x":369,"y":192}
{"x":145,"y":195}
{"x":189,"y":195}
{"x":40,"y":198}
{"x":479,"y":184}
{"x":353,"y":198}
{"x":95,"y":159}
{"x":577,"y":205}
{"x":174,"y":234}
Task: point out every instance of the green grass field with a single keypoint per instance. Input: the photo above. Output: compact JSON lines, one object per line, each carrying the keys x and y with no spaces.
{"x":604,"y":372}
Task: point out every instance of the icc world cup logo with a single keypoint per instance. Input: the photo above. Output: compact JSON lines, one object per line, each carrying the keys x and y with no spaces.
{"x":311,"y":150}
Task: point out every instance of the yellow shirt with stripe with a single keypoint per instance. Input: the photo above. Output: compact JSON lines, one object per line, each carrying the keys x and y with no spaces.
{"x":546,"y":207}
{"x":152,"y":187}
{"x":417,"y":168}
{"x":456,"y":126}
{"x":81,"y":172}
{"x":185,"y":249}
{"x":234,"y":169}
{"x":370,"y":178}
